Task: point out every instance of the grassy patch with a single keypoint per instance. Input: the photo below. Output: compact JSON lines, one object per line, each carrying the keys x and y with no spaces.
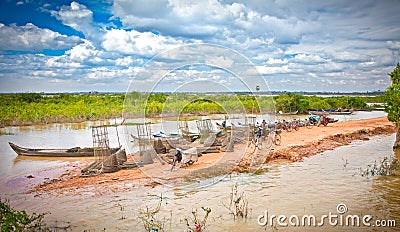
{"x":260,"y":171}
{"x":14,"y":220}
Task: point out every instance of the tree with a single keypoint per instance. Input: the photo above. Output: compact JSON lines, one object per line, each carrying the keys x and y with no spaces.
{"x":392,"y":100}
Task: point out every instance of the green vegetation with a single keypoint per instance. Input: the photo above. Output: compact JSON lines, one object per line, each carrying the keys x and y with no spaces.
{"x":222,"y":103}
{"x":156,"y":104}
{"x":195,"y":223}
{"x":296,"y":102}
{"x":386,"y":167}
{"x":392,"y":99}
{"x":34,"y":108}
{"x":31,"y":108}
{"x":238,"y":204}
{"x":261,"y":171}
{"x":151,"y":219}
{"x":13,"y":220}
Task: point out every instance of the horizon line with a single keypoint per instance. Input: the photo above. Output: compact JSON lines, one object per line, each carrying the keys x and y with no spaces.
{"x":189,"y":92}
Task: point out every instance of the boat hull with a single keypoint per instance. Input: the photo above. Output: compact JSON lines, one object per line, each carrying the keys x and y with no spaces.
{"x":327,"y":112}
{"x":86,"y":152}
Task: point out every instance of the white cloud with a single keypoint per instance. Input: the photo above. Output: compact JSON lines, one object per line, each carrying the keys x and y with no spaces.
{"x":61,"y":62}
{"x":125,"y":61}
{"x":309,"y":59}
{"x":43,"y":73}
{"x":267,"y":70}
{"x":349,"y":56}
{"x":196,"y":79}
{"x":76,"y":15}
{"x":80,"y":18}
{"x":82,"y":52}
{"x":134,"y":42}
{"x":393,"y":45}
{"x":34,"y":39}
{"x":82,"y":55}
{"x":329,"y":45}
{"x":274,"y":62}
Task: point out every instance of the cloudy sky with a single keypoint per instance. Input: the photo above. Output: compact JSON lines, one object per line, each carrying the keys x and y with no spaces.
{"x":90,"y":45}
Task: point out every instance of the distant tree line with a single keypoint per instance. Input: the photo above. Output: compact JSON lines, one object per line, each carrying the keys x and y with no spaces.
{"x":296,"y":102}
{"x":33,"y":108}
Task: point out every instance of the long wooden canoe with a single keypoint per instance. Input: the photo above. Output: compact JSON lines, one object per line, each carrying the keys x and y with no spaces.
{"x":72,"y":152}
{"x":326,"y":112}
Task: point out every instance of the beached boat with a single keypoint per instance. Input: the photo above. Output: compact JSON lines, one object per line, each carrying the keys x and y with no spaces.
{"x":326,"y":112}
{"x":318,"y":112}
{"x":72,"y":152}
{"x":342,"y":112}
{"x":288,"y":113}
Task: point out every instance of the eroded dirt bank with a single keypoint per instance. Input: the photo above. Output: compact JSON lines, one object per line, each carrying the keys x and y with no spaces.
{"x":305,"y":148}
{"x":295,"y":145}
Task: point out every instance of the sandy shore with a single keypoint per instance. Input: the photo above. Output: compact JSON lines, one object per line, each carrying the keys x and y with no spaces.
{"x":295,"y":145}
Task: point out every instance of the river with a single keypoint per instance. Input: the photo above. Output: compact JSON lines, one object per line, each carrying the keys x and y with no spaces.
{"x":315,"y":186}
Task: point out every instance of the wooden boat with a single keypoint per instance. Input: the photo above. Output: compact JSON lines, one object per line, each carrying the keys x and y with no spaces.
{"x":318,"y":112}
{"x":342,"y":112}
{"x":72,"y":152}
{"x":326,"y":112}
{"x":288,"y":113}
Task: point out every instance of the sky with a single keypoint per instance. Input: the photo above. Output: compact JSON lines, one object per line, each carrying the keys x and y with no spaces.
{"x":210,"y":45}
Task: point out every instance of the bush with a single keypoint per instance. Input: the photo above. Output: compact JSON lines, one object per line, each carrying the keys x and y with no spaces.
{"x":13,"y":220}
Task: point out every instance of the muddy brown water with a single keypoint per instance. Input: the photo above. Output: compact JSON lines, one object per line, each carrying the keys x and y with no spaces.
{"x":314,"y":186}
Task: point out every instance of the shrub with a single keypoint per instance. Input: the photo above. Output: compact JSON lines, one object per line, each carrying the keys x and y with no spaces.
{"x":14,"y":220}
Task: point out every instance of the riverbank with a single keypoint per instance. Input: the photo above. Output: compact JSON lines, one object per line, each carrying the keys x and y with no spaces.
{"x":307,"y":142}
{"x":295,"y":145}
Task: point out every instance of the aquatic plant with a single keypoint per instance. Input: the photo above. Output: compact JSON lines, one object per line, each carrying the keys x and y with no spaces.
{"x":121,"y":209}
{"x":385,"y":167}
{"x":197,"y":224}
{"x":261,"y":171}
{"x":345,"y":162}
{"x":14,"y":220}
{"x":238,"y":204}
{"x":150,"y":218}
{"x":6,"y":133}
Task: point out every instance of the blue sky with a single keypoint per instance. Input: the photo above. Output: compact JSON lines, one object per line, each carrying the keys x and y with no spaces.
{"x":70,"y":46}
